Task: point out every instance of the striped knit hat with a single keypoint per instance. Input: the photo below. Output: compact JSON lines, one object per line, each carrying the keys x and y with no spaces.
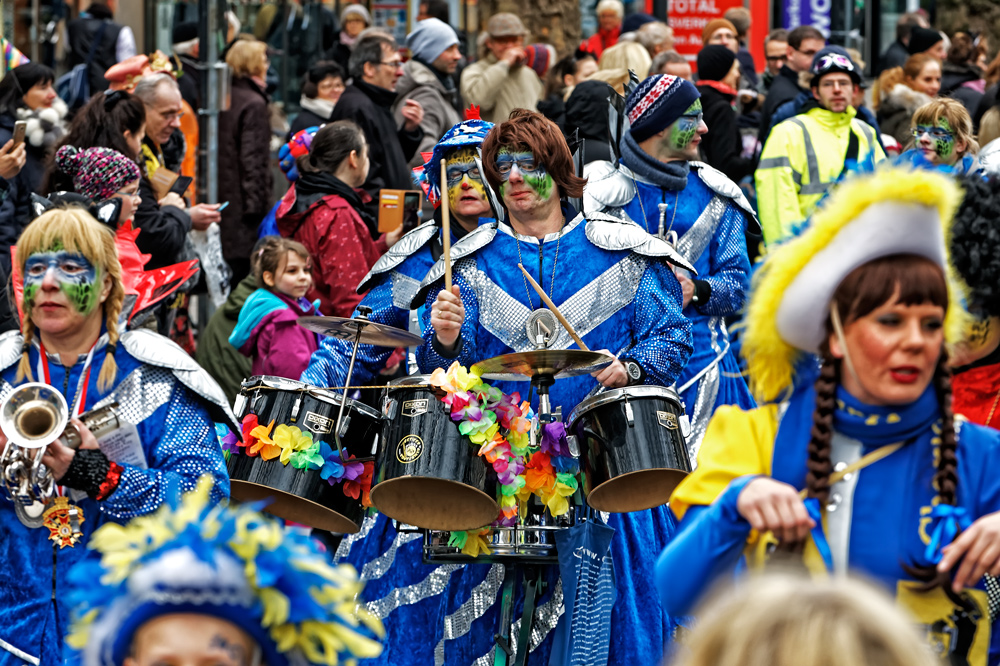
{"x":657,"y":103}
{"x":97,"y":173}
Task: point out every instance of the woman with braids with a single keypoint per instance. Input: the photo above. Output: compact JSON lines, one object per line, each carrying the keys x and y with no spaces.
{"x":71,"y":338}
{"x":865,"y":289}
{"x":975,"y":252}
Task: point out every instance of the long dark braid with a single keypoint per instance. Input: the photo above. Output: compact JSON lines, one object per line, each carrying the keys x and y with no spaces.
{"x":818,"y":464}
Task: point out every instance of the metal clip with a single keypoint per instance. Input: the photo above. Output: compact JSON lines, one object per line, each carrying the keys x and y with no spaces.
{"x":345,"y":425}
{"x":296,"y":407}
{"x":629,"y":416}
{"x":574,"y":445}
{"x":389,"y":408}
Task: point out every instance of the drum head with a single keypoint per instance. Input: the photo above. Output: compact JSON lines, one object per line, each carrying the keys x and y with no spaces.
{"x":635,"y":491}
{"x":293,"y":508}
{"x":417,"y":500}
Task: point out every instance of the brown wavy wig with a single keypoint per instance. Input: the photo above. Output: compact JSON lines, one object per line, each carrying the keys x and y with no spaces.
{"x":529,"y":130}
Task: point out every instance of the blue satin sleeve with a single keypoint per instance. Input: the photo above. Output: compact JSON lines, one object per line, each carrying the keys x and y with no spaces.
{"x":730,"y":267}
{"x":708,"y":543}
{"x":180,"y":445}
{"x":429,"y":355}
{"x":328,"y":364}
{"x":662,"y":333}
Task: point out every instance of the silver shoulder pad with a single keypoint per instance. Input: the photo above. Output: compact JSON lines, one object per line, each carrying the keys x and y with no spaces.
{"x":607,"y":187}
{"x":412,"y":241}
{"x":10,"y":348}
{"x":611,"y":233}
{"x":468,"y":244}
{"x":722,"y":185}
{"x":154,"y":349}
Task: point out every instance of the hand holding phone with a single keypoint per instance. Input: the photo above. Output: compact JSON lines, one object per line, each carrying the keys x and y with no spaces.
{"x":20,"y":129}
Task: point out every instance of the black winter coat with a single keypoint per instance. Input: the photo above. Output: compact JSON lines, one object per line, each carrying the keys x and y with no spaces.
{"x":189,"y":81}
{"x":81,"y":34}
{"x":784,"y":88}
{"x":587,"y":110}
{"x":15,"y":214}
{"x":952,"y":79}
{"x":723,"y":143}
{"x":164,"y":229}
{"x":245,"y":179}
{"x":390,"y":147}
{"x":305,"y":120}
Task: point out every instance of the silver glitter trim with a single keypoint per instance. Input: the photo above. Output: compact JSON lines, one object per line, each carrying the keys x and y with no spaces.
{"x":470,"y":243}
{"x":708,"y":391}
{"x":404,"y":289}
{"x":377,"y":567}
{"x":721,"y":184}
{"x":694,"y":241}
{"x":431,"y":586}
{"x":506,"y":318}
{"x":545,"y":619}
{"x":547,"y":238}
{"x":460,"y":622}
{"x":404,"y":247}
{"x":347,"y":543}
{"x":142,"y":392}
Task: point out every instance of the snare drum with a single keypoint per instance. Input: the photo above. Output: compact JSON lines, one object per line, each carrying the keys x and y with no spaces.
{"x":301,"y":495}
{"x":427,"y":473}
{"x":632,"y":451}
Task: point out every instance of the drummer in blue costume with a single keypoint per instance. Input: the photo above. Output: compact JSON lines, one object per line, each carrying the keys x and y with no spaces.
{"x":394,"y":279}
{"x":612,"y":281}
{"x":865,"y":287}
{"x":660,"y":185}
{"x":431,"y":614}
{"x":72,"y":339}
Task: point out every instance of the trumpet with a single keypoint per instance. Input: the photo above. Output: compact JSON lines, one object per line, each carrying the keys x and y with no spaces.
{"x":33,"y":416}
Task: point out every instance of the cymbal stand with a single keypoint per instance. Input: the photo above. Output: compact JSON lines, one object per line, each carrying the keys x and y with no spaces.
{"x":504,"y":654}
{"x":541,"y":383}
{"x":363,"y":317}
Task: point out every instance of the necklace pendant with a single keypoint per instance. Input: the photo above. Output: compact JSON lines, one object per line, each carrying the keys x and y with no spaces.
{"x":63,"y":520}
{"x":542,"y":328}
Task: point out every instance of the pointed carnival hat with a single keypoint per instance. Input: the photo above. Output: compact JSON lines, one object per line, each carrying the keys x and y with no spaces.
{"x":233,"y":563}
{"x":470,"y":133}
{"x":891,"y":211}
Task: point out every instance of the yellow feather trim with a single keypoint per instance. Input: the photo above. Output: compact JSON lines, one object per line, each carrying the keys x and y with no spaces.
{"x":770,"y":360}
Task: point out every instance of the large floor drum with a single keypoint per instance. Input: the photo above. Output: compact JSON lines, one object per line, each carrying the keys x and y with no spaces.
{"x":632,"y":451}
{"x":300,"y":495}
{"x":427,"y":474}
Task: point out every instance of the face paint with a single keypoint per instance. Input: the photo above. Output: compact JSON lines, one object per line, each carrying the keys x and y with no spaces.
{"x":683,"y":131}
{"x":462,"y":168}
{"x":941,"y":135}
{"x":532,"y":171}
{"x":77,"y":278}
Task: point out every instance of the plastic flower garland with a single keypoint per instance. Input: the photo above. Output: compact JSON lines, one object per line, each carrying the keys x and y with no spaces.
{"x":505,"y":432}
{"x":291,"y":444}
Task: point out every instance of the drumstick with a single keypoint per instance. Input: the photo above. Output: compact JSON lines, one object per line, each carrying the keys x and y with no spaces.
{"x":555,"y":310}
{"x":445,"y":227}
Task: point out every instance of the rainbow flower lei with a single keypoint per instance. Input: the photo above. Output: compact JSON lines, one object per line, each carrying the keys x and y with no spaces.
{"x":506,"y":431}
{"x":291,"y":444}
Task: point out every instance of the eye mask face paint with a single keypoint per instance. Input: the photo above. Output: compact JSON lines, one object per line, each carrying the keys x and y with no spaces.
{"x":534,"y":174}
{"x":77,"y":278}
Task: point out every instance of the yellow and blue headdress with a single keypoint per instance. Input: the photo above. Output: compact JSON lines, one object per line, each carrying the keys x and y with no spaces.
{"x":891,"y":211}
{"x":227,"y":562}
{"x":470,"y":133}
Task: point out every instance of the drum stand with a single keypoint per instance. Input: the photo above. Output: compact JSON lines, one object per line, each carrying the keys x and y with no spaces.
{"x":362,"y":317}
{"x":533,"y":585}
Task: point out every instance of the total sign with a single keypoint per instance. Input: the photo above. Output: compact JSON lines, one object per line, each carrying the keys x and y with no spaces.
{"x":689,"y":17}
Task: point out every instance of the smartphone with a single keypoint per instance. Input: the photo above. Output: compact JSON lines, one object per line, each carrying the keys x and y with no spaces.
{"x":411,"y":210}
{"x":181,"y":185}
{"x":20,"y":128}
{"x":222,"y":207}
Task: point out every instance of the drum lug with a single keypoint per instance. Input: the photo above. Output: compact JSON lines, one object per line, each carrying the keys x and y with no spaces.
{"x":685,"y":422}
{"x":629,"y":416}
{"x":296,"y":407}
{"x":574,"y":445}
{"x":345,"y":425}
{"x":389,"y":408}
{"x":239,"y":405}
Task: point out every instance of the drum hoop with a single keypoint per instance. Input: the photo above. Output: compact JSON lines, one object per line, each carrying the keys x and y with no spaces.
{"x":333,"y":398}
{"x":614,"y":395}
{"x":410,"y":381}
{"x":271,"y":383}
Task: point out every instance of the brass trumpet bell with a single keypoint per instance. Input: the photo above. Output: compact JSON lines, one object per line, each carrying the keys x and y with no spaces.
{"x":34,"y":415}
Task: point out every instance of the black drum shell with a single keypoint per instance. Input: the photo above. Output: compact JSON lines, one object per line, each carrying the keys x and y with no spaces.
{"x":300,"y":495}
{"x":630,"y":468}
{"x":427,"y":473}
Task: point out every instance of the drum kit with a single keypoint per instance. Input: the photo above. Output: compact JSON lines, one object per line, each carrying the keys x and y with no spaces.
{"x":429,"y":478}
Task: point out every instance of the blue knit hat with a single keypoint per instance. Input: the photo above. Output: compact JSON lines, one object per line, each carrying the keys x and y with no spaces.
{"x":430,"y":39}
{"x":469,"y":133}
{"x":657,"y":103}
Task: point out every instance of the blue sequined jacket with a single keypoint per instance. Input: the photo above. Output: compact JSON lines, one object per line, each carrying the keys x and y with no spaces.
{"x":609,"y":278}
{"x":174,"y":405}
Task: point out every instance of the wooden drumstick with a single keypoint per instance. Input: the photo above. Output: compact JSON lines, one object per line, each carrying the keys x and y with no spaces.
{"x":555,"y":310}
{"x":445,"y":226}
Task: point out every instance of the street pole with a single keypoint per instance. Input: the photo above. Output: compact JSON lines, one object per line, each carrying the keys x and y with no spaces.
{"x":211,"y":34}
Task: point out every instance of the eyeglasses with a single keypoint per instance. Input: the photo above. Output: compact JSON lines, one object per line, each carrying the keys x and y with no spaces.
{"x":171,"y":116}
{"x":456,"y":173}
{"x":506,"y":162}
{"x":934,"y":132}
{"x":133,"y":195}
{"x":776,"y":58}
{"x":395,"y":64}
{"x":810,"y":52}
{"x":696,"y":118}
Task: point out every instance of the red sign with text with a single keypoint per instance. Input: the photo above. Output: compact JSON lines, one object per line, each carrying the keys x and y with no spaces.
{"x":689,"y":17}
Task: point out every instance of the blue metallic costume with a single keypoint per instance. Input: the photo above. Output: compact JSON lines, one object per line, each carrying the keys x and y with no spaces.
{"x":708,"y":215}
{"x":174,"y":405}
{"x":612,"y":282}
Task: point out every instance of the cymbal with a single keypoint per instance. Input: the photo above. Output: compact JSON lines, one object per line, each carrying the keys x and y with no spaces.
{"x":560,"y":363}
{"x":372,"y":333}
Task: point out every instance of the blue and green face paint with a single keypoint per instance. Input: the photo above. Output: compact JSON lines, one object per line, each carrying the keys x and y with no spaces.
{"x":533,"y":172}
{"x":943,"y":137}
{"x":685,"y":128}
{"x":78,"y":279}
